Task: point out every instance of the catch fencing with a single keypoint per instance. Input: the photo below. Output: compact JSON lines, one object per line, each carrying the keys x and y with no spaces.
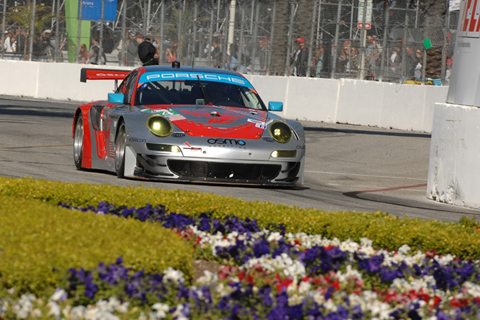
{"x":383,"y":40}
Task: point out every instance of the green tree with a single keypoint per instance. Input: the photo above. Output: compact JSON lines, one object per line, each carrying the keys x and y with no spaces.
{"x":22,"y":16}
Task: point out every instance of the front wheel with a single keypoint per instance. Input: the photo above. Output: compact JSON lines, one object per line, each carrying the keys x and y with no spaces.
{"x":120,"y":145}
{"x":78,"y":142}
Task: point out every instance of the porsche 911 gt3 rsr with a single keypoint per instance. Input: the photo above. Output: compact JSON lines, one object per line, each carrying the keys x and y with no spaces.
{"x":190,"y":125}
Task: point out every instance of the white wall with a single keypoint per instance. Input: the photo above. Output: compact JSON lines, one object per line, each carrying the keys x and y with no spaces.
{"x":454,"y":168}
{"x":370,"y":103}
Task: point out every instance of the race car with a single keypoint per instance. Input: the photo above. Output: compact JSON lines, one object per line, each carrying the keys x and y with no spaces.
{"x":199,"y":125}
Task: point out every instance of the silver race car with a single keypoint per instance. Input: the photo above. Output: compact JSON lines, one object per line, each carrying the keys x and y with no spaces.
{"x":186,"y":124}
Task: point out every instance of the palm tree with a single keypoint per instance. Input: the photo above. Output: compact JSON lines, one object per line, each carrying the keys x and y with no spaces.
{"x":22,"y":16}
{"x":435,"y":12}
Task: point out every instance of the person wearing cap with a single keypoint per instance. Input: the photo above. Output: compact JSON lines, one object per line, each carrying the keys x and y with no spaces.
{"x":300,"y":58}
{"x":147,"y":52}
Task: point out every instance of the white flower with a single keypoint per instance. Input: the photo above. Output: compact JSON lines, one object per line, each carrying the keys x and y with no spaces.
{"x":36,"y":313}
{"x":274,"y":237}
{"x":349,"y":246}
{"x":160,"y":311}
{"x":59,"y":295}
{"x":304,"y":287}
{"x":380,"y":310}
{"x":295,"y":299}
{"x":404,"y":249}
{"x":330,"y":305}
{"x":78,"y":312}
{"x":173,"y":275}
{"x":223,"y":290}
{"x":207,"y":278}
{"x":54,"y":309}
{"x":177,"y":314}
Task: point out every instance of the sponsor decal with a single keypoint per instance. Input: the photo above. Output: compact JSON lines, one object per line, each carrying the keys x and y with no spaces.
{"x":258,"y":124}
{"x":300,"y":146}
{"x":178,"y":135}
{"x":189,"y":147}
{"x":116,"y":75}
{"x":226,"y":142}
{"x":268,"y":139}
{"x":193,"y":76}
{"x":133,"y":139}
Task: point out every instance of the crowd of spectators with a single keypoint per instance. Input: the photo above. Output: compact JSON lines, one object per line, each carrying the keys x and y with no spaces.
{"x":324,"y":59}
{"x":16,"y":42}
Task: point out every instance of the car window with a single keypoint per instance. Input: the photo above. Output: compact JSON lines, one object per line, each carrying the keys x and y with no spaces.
{"x":196,"y":92}
{"x":127,"y":87}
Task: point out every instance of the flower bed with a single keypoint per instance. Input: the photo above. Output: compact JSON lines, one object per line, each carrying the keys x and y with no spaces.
{"x":267,"y":274}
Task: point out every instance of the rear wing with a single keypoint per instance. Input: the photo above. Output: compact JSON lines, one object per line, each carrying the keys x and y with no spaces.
{"x":102,"y":74}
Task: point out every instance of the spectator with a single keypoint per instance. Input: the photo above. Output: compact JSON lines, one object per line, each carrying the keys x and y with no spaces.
{"x":262,"y":54}
{"x":395,"y":59}
{"x":132,"y":48}
{"x":300,"y":59}
{"x":373,"y":53}
{"x":232,"y":61}
{"x":147,"y":52}
{"x":46,"y":45}
{"x":319,"y":59}
{"x":411,"y":63}
{"x":94,"y":55}
{"x":171,"y":52}
{"x":343,"y":57}
{"x":118,"y":47}
{"x":22,"y":42}
{"x":418,"y":67}
{"x":83,"y":54}
{"x":157,"y":44}
{"x":354,"y":60}
{"x":8,"y":43}
{"x":216,"y":54}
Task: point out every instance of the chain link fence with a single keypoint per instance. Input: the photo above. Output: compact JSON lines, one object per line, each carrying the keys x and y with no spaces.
{"x":384,"y":40}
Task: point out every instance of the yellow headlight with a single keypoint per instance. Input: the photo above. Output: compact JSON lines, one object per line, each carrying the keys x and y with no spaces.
{"x":280,"y":132}
{"x":160,"y":126}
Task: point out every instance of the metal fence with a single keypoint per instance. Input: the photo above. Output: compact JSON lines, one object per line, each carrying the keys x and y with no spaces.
{"x":384,"y":40}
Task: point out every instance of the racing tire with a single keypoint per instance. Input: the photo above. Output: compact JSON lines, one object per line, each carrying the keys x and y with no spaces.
{"x":78,"y":141}
{"x":120,"y":146}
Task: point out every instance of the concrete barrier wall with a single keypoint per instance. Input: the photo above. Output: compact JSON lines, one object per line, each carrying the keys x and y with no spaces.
{"x":454,"y":167}
{"x":370,"y":103}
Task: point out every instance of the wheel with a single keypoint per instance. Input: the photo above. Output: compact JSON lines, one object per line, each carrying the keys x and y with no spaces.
{"x":120,"y":143}
{"x":78,"y":142}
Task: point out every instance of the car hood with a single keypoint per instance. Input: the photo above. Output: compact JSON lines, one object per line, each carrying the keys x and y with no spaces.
{"x":216,"y":121}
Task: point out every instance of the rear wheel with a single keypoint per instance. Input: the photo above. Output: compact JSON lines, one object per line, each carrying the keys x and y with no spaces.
{"x":78,"y":141}
{"x":120,"y":145}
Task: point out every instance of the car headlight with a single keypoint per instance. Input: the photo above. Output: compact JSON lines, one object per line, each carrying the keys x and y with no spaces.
{"x":160,"y":126}
{"x":281,"y":132}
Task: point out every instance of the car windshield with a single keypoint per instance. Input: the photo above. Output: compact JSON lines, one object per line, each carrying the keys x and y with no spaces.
{"x":197,"y":93}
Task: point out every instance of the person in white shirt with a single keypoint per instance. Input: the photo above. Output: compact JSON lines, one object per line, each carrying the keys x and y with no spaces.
{"x":7,"y":44}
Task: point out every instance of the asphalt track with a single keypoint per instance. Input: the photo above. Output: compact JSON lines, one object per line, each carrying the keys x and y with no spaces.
{"x":348,"y":168}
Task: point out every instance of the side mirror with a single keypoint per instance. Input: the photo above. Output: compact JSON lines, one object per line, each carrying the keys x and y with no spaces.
{"x":275,"y":106}
{"x":116,"y":97}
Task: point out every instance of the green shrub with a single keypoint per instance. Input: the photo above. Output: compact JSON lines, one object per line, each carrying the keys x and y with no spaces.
{"x":461,"y":239}
{"x":40,"y":242}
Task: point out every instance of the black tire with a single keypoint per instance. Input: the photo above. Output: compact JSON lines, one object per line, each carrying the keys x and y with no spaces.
{"x":120,"y":145}
{"x":78,"y":141}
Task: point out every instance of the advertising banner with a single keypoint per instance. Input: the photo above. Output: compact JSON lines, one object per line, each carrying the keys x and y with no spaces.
{"x":92,"y":10}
